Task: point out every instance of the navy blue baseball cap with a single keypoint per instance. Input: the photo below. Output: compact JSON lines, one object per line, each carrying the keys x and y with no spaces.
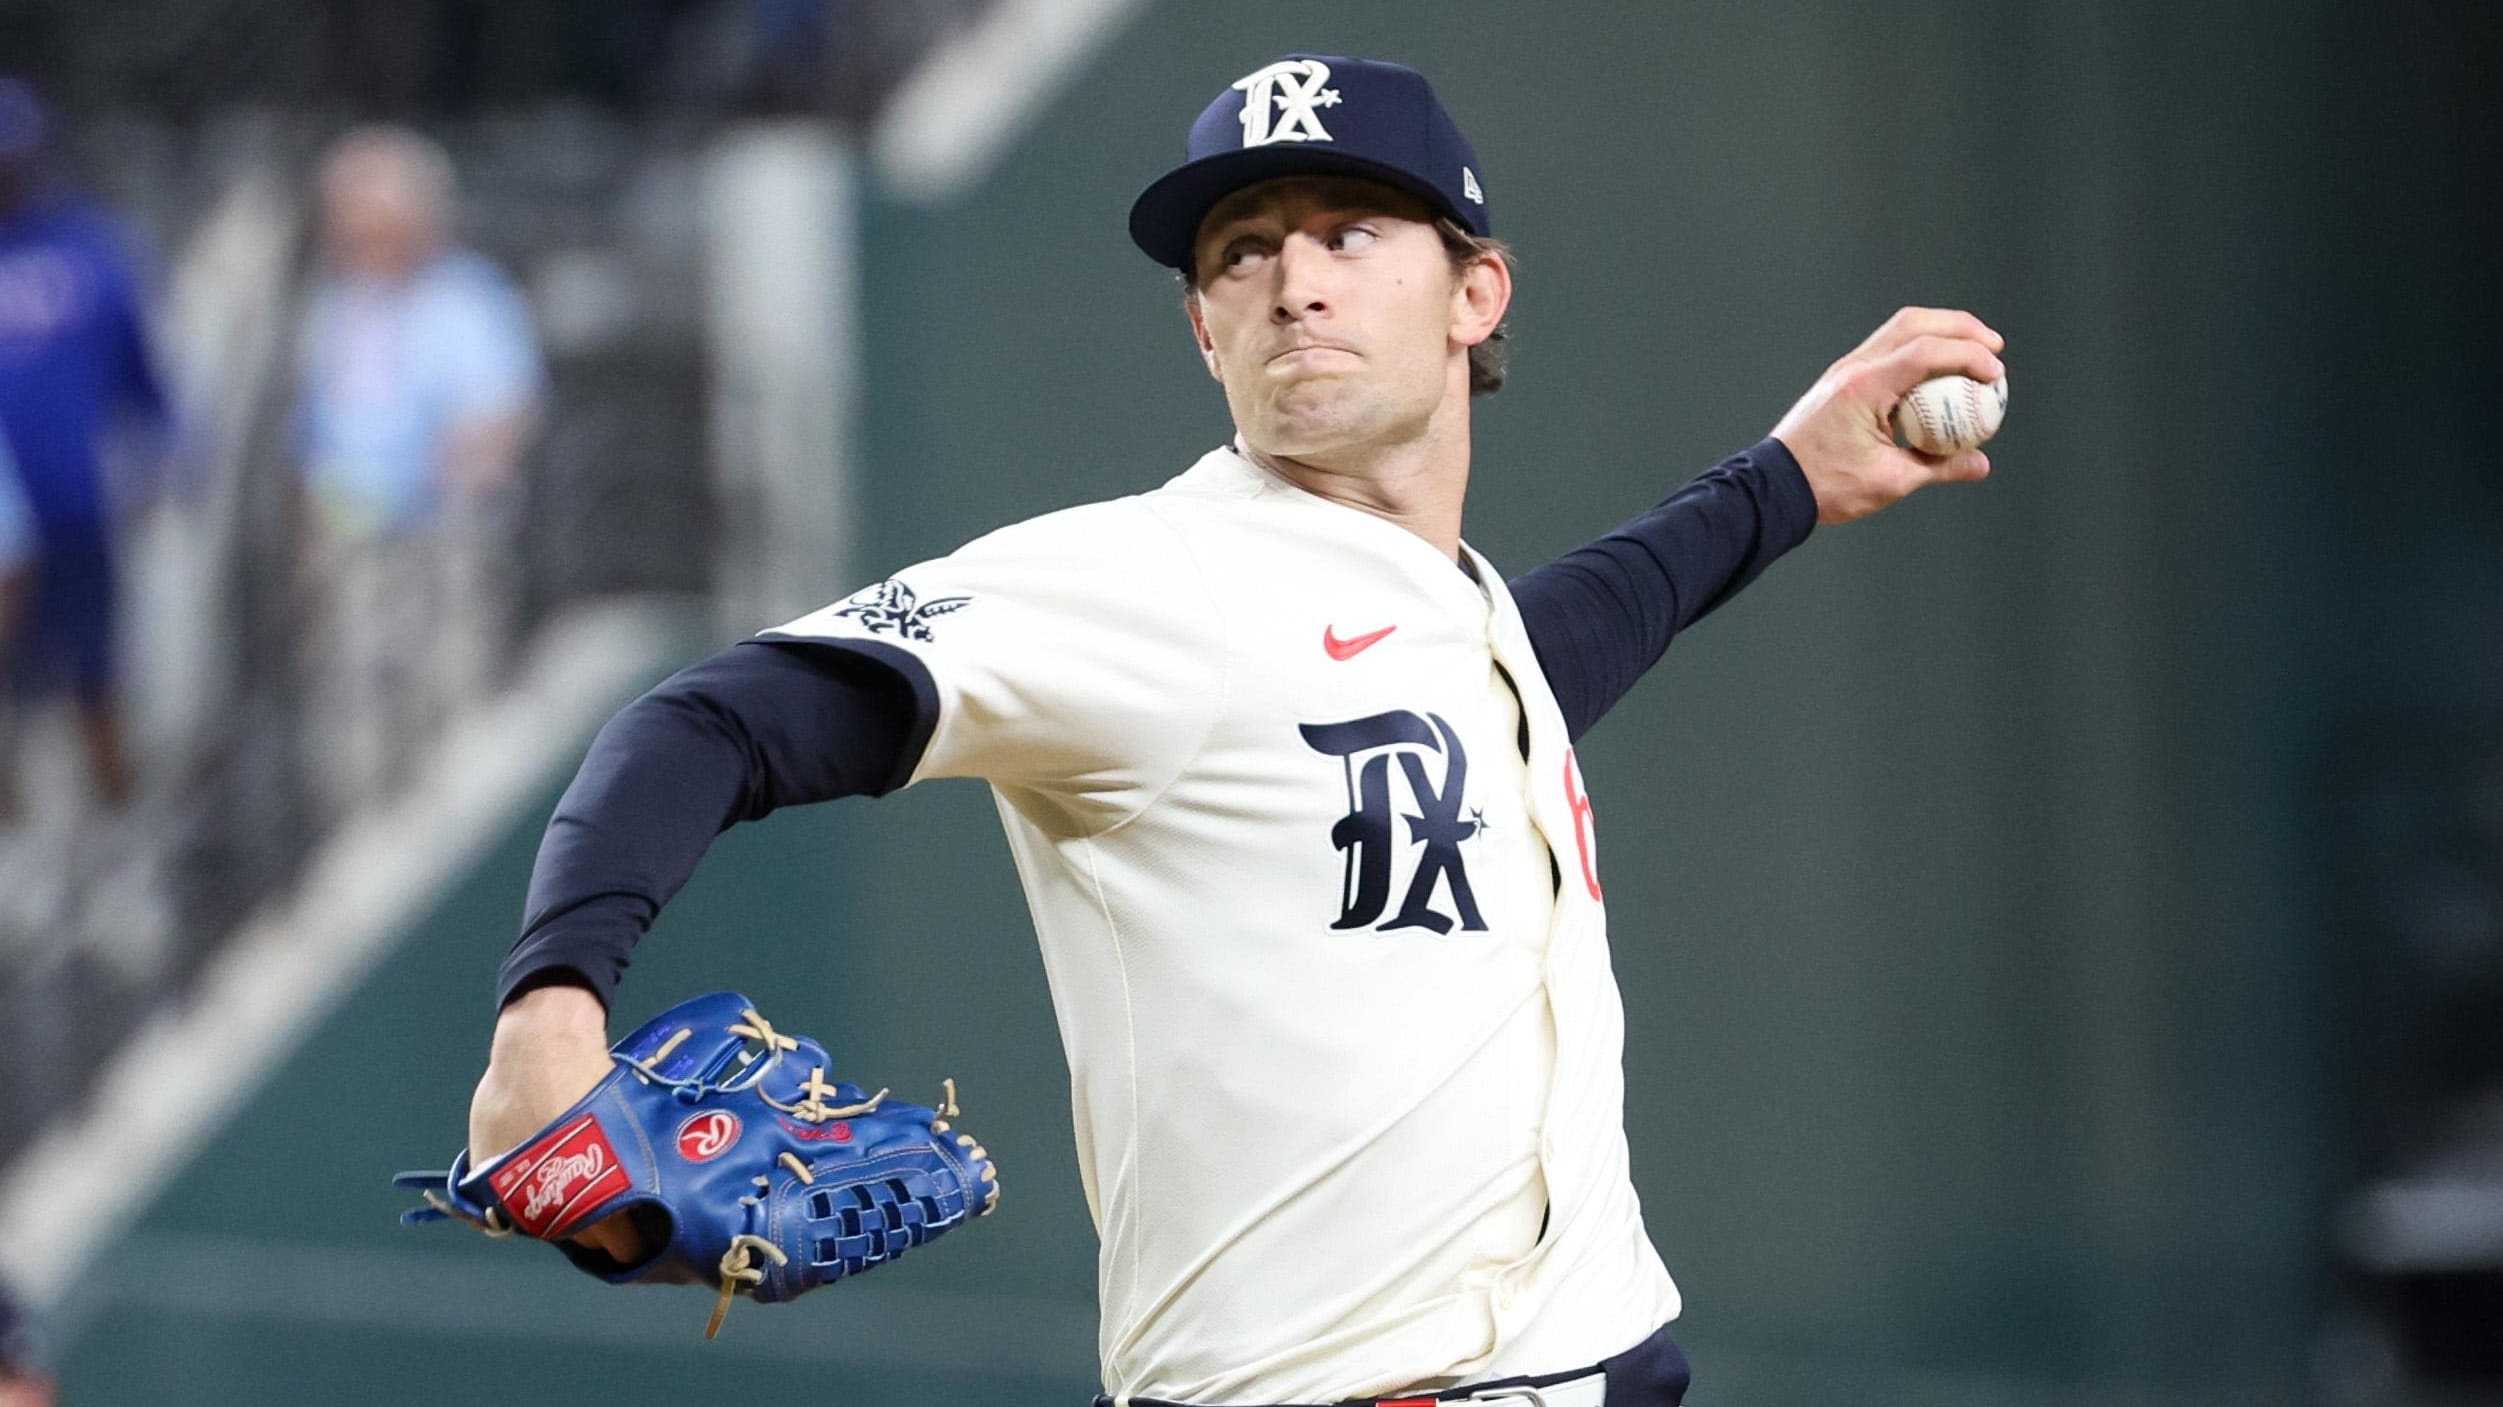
{"x":1313,"y":114}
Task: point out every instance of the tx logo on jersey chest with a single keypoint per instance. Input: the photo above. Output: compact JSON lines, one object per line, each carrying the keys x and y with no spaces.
{"x":1381,"y":756}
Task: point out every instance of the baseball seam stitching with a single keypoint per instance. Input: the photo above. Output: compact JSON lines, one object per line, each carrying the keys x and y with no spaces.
{"x":1930,"y":429}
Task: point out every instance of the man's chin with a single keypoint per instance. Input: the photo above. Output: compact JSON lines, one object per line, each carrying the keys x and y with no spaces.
{"x":1310,"y":425}
{"x":1309,"y":447}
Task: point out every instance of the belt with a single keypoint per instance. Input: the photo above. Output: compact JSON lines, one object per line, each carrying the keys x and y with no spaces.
{"x":1587,"y":1387}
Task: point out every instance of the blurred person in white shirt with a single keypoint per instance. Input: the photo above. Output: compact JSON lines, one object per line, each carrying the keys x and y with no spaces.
{"x":421,"y":391}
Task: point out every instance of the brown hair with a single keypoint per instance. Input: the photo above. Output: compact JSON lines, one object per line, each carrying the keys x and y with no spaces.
{"x":1488,"y":360}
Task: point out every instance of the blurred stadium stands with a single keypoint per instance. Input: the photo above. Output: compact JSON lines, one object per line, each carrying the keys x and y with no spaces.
{"x":580,"y":134}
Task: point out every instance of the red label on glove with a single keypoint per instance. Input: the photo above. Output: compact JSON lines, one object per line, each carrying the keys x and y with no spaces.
{"x":545,"y":1186}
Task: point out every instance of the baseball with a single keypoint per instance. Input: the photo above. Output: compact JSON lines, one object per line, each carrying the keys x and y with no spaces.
{"x":1949,"y":413}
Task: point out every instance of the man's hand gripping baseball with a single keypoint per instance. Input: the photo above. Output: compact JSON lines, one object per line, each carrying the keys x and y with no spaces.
{"x":1841,"y":431}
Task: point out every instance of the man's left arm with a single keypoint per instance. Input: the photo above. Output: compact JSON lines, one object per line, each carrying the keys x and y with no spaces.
{"x":1604,"y":613}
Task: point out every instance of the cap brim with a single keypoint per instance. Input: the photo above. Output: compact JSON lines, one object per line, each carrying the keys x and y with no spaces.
{"x":1165,"y":219}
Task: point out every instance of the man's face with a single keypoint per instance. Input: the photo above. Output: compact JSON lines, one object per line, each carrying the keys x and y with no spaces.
{"x":375,"y":226}
{"x":1331,"y":314}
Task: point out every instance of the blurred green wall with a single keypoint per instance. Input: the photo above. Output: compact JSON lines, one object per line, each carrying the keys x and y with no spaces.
{"x":1974,"y":1046}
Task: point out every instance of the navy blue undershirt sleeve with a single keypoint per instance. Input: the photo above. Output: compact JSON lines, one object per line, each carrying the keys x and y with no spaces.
{"x":762,"y":725}
{"x":1602,"y":614}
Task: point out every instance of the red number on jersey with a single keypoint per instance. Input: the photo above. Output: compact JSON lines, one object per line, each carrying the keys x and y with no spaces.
{"x":1585,"y":825}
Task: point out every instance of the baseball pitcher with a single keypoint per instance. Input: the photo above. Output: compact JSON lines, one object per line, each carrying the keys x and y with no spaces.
{"x":1288,"y":771}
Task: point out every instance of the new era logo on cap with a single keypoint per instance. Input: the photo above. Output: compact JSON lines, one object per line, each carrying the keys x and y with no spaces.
{"x":1319,"y":115}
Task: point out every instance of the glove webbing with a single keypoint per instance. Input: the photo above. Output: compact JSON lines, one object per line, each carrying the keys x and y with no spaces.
{"x":740,"y":1265}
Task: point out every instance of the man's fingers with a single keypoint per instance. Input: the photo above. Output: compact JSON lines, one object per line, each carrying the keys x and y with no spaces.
{"x":1964,"y":467}
{"x":1910,"y":323}
{"x":1904,"y":472}
{"x":1918,"y":360}
{"x":616,"y":1235}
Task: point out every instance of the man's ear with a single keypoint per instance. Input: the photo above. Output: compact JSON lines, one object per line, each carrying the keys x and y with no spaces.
{"x":1479,"y":296}
{"x":1199,"y":334}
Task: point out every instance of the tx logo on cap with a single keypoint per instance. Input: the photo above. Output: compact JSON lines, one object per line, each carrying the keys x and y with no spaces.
{"x":1281,"y":102}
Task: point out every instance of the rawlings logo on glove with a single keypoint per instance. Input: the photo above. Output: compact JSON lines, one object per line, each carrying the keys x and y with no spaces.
{"x":725,"y":1139}
{"x":557,"y":1172}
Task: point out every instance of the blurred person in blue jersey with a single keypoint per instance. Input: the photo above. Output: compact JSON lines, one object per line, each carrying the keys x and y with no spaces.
{"x":17,"y":549}
{"x":17,"y":574}
{"x":421,"y":390}
{"x":73,"y":356}
{"x":24,"y":1381}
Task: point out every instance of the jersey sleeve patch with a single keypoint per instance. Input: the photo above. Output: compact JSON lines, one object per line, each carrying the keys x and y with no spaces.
{"x":892,"y":607}
{"x":1075,"y":659}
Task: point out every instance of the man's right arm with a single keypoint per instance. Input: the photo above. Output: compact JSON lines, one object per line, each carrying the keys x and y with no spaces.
{"x":762,"y":725}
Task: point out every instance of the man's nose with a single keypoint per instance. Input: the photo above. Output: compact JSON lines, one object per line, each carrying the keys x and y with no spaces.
{"x":1303,"y":267}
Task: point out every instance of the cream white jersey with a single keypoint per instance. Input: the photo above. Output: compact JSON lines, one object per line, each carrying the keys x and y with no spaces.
{"x":1317,"y":886}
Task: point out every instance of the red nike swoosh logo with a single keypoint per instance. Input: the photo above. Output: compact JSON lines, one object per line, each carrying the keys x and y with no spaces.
{"x":1349,"y":649}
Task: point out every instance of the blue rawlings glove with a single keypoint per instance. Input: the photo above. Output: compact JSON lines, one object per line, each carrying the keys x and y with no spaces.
{"x":736,"y":1155}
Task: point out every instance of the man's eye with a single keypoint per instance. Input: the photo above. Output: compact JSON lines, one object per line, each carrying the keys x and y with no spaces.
{"x":1241,"y":254}
{"x":1352,"y":237}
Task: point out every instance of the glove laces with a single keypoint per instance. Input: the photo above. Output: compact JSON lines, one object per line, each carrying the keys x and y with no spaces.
{"x":740,"y":1266}
{"x":812,"y":1106}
